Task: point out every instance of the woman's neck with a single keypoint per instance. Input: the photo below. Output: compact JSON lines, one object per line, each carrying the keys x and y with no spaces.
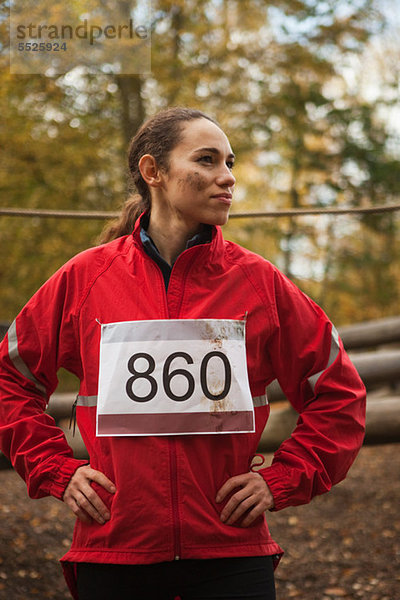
{"x":170,"y":236}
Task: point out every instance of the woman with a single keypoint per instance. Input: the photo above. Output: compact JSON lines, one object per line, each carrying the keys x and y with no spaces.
{"x":175,"y":334}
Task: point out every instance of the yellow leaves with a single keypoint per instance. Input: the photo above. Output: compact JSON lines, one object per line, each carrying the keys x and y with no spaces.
{"x":288,"y":113}
{"x":322,"y":142}
{"x":389,"y":533}
{"x":336,"y":592}
{"x":35,"y":522}
{"x":294,"y":593}
{"x":23,"y":573}
{"x":347,"y":541}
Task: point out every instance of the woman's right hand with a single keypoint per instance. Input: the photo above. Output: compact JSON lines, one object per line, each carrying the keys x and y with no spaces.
{"x":82,"y":499}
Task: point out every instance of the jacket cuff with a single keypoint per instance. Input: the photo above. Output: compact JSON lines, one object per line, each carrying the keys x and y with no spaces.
{"x":63,"y":474}
{"x":277,"y":478}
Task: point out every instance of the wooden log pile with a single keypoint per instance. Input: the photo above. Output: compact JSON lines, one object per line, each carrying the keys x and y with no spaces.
{"x":378,"y":365}
{"x":374,"y":368}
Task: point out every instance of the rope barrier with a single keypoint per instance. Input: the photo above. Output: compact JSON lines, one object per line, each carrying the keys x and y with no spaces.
{"x":317,"y":211}
{"x":71,"y":214}
{"x":57,"y":214}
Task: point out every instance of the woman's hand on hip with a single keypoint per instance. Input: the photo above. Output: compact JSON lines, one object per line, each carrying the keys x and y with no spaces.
{"x":253,"y":498}
{"x":82,"y":499}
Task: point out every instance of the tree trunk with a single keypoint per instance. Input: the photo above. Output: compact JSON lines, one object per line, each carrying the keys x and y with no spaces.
{"x":130,"y":88}
{"x":132,"y":107}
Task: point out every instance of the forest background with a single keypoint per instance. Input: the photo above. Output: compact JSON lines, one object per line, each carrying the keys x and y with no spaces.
{"x":308,"y":93}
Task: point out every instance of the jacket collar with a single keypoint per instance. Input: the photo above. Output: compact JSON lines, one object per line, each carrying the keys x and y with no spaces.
{"x":215,"y":245}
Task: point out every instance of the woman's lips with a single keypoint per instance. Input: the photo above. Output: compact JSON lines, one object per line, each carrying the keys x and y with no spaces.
{"x":224,"y":198}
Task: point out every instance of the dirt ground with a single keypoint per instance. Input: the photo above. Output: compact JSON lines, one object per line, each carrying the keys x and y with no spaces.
{"x":345,"y":544}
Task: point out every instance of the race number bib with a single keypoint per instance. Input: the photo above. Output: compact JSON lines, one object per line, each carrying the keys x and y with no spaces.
{"x":173,"y":377}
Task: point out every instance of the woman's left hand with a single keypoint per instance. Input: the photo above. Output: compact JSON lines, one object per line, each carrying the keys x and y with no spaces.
{"x":254,"y":498}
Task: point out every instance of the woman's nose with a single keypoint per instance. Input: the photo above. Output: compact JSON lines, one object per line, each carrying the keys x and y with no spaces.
{"x":226,"y":177}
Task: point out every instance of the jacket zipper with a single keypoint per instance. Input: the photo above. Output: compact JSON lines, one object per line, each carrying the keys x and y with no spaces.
{"x":173,"y":452}
{"x":174,"y":478}
{"x":174,"y":499}
{"x":173,"y":464}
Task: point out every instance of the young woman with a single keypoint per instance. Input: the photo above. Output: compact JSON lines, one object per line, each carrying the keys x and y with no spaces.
{"x":174,"y":334}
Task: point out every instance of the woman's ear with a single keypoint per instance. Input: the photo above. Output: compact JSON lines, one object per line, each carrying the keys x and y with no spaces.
{"x":150,"y":171}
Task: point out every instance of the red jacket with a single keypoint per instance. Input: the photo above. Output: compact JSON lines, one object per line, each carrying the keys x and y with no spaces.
{"x":165,"y":505}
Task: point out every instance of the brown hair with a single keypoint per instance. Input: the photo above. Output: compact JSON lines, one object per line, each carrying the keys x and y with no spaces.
{"x":158,"y":136}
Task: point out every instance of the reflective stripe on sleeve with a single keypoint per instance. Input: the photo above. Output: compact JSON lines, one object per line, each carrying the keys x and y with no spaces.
{"x":86,"y":401}
{"x":335,"y":347}
{"x":17,"y":361}
{"x":89,"y":401}
{"x":260,"y":400}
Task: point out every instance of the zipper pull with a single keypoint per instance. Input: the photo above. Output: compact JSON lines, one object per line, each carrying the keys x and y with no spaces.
{"x":73,"y":416}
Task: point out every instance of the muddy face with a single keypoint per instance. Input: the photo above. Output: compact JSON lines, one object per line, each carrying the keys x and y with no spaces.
{"x":197,"y":188}
{"x":194,"y":181}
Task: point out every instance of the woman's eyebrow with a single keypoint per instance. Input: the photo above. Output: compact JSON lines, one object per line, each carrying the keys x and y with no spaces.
{"x":214,"y":151}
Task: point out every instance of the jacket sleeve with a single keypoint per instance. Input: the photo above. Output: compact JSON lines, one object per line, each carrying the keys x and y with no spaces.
{"x":40,"y":340}
{"x":318,"y":378}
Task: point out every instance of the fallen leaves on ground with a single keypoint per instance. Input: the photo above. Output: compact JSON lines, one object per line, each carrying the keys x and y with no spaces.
{"x":344,"y":545}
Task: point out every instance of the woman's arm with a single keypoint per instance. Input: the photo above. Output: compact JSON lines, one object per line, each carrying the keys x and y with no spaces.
{"x":324,"y":387}
{"x":41,"y":339}
{"x":312,"y":367}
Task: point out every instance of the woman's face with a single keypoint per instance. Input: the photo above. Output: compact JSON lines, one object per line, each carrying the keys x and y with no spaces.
{"x":198,"y":186}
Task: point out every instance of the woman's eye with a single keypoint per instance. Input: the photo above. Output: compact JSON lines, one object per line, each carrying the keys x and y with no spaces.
{"x":206,"y":158}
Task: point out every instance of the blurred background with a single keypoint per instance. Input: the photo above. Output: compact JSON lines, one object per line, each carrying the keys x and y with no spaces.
{"x":308,"y":93}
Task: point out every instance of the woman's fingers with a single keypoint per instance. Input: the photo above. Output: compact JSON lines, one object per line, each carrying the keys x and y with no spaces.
{"x":78,"y":511}
{"x":83,"y":500}
{"x":100,"y":478}
{"x":253,"y":497}
{"x":87,"y":500}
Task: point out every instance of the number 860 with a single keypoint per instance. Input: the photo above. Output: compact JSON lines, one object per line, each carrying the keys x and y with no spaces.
{"x":168,"y":376}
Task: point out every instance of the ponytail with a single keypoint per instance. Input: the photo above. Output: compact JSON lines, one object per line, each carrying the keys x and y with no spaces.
{"x":125,"y":223}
